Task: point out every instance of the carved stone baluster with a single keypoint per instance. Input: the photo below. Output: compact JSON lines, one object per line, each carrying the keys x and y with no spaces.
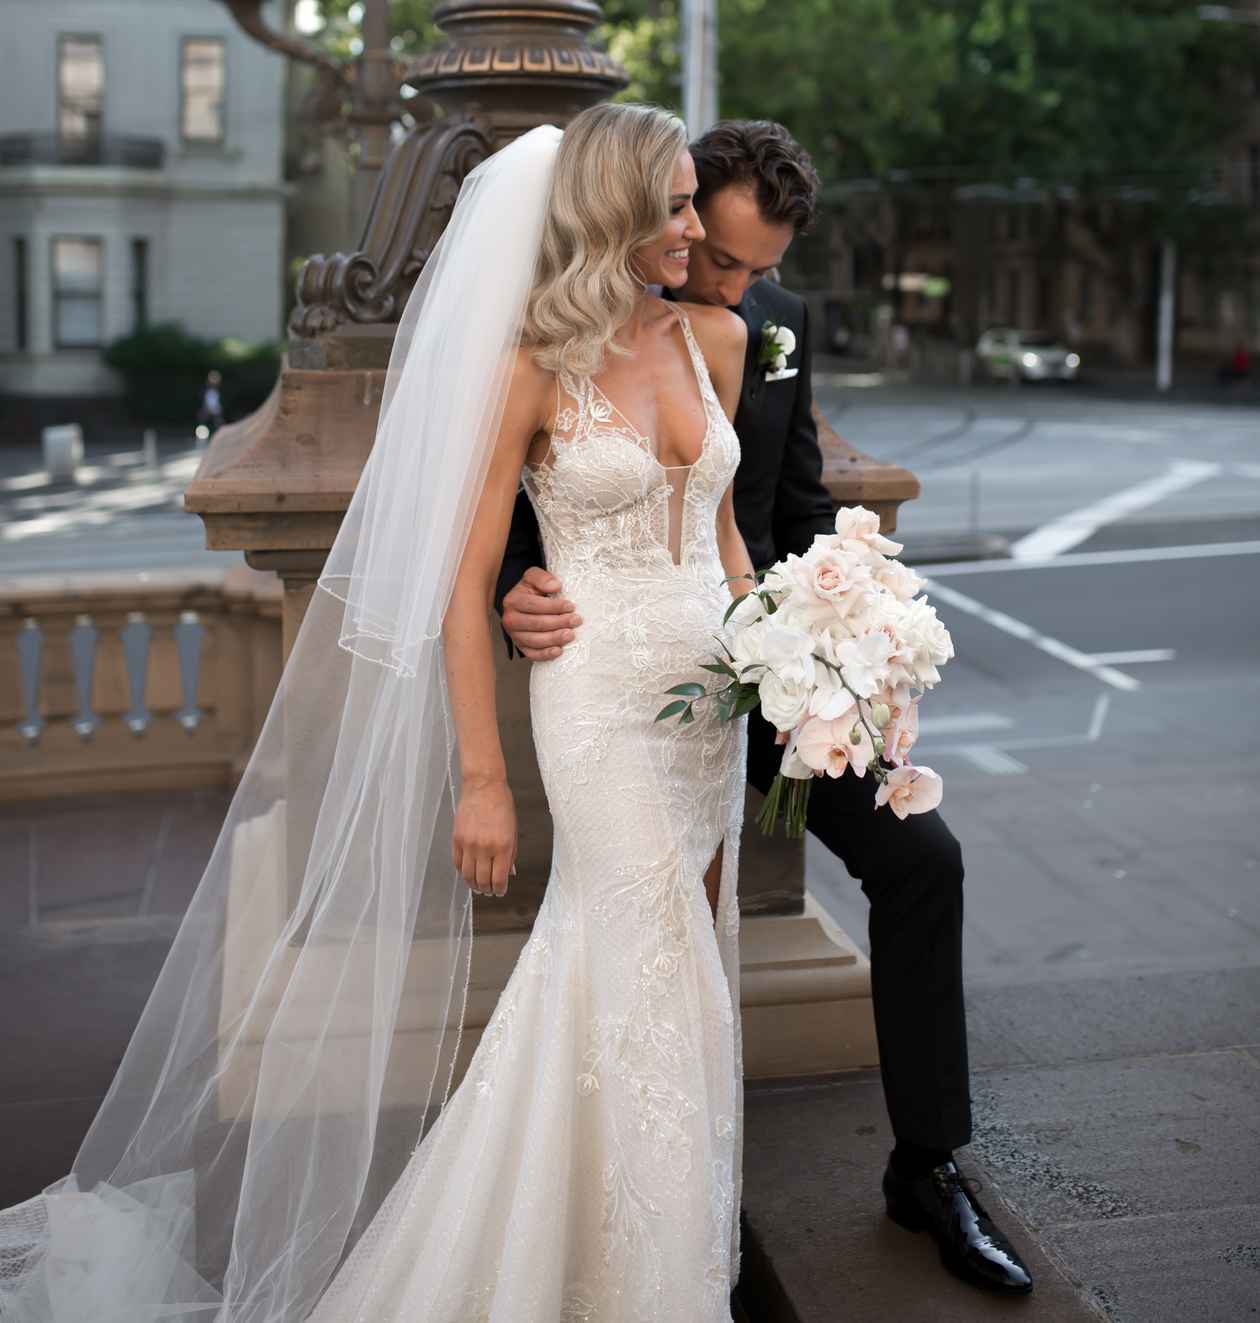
{"x":83,"y":638}
{"x":30,"y":650}
{"x":188,"y":635}
{"x":135,"y":640}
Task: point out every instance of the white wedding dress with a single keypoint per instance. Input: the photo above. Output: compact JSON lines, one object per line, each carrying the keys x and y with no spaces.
{"x":588,"y":1167}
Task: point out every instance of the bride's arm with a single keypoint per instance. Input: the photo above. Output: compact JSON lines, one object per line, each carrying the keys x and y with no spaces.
{"x":723,"y":339}
{"x":484,"y":838}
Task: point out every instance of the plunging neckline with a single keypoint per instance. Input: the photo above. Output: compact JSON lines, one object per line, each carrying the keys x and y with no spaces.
{"x":643,"y":440}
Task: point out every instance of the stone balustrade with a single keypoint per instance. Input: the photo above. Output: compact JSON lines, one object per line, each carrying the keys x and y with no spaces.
{"x":140,"y":680}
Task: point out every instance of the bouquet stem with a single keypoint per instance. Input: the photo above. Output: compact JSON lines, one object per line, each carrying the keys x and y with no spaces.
{"x":788,"y":795}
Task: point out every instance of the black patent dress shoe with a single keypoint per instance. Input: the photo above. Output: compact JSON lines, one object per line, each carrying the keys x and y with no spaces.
{"x":971,"y":1246}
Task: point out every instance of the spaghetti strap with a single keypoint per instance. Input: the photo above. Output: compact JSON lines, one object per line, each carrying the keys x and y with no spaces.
{"x":708,"y":394}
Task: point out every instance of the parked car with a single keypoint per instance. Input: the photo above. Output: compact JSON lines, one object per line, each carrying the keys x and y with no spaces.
{"x":1010,"y":355}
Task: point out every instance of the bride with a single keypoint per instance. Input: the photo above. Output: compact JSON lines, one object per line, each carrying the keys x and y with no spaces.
{"x":588,"y":1165}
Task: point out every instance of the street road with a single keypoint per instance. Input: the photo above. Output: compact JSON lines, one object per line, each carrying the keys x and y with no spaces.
{"x":1002,"y":461}
{"x":1096,"y":734}
{"x":1096,"y":730}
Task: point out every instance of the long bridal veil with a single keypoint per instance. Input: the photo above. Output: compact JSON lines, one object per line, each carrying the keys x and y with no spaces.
{"x":303,"y":1030}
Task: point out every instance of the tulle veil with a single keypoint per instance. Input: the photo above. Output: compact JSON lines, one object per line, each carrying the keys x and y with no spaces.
{"x":303,"y":1030}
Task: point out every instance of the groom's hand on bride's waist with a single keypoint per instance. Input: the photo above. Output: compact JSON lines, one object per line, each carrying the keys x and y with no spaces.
{"x":536,"y":618}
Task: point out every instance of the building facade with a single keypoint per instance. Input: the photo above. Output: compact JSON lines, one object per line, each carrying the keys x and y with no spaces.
{"x":141,"y":151}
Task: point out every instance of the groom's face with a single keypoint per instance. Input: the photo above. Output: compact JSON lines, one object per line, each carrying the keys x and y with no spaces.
{"x":739,"y":247}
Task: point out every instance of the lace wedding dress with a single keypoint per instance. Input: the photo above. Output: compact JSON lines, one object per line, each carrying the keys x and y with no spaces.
{"x":588,"y":1168}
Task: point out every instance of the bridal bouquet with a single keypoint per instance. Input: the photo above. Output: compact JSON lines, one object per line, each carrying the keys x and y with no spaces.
{"x":836,"y":647}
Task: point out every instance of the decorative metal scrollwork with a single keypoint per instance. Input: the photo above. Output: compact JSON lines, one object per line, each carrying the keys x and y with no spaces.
{"x":413,"y":202}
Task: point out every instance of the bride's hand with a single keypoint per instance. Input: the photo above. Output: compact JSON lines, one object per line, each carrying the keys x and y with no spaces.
{"x":484,"y":839}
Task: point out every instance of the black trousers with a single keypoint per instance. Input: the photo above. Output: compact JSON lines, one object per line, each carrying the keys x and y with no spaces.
{"x":912,"y":874}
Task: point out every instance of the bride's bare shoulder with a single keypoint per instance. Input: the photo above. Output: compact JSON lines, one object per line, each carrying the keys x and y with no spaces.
{"x":530,"y":381}
{"x":723,"y":339}
{"x":718,"y":329}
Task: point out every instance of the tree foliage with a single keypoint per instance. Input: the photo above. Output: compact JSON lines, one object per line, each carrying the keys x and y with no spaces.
{"x":1139,"y":92}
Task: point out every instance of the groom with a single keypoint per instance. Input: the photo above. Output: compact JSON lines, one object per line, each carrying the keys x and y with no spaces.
{"x":757,"y":191}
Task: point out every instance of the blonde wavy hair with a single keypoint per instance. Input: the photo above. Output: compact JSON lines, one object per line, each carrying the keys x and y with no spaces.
{"x":609,"y":197}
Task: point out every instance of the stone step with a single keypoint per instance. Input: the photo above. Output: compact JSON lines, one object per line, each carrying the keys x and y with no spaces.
{"x":818,"y":1247}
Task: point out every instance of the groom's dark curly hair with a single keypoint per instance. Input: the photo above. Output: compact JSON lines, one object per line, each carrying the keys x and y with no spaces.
{"x":762,"y":155}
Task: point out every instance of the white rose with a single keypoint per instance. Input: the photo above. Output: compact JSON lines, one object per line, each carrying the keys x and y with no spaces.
{"x":857,"y":523}
{"x":786,"y":341}
{"x":748,"y":611}
{"x":836,"y":575}
{"x":746,"y":651}
{"x":783,"y":704}
{"x":902,"y":582}
{"x":925,"y":640}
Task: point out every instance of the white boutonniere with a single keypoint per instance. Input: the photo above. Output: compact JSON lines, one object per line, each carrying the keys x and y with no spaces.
{"x":778,"y":344}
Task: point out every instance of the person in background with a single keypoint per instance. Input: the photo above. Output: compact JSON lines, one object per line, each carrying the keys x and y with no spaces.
{"x":210,"y":414}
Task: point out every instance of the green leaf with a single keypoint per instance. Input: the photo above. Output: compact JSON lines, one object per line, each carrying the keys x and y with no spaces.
{"x":689,"y":690}
{"x":749,"y":697}
{"x":672,"y":710}
{"x":689,"y":715}
{"x":718,"y":668}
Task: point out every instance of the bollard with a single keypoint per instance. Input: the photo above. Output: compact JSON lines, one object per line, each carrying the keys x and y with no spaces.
{"x":63,"y":451}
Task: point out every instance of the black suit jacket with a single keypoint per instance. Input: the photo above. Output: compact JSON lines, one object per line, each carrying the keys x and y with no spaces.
{"x":780,"y":500}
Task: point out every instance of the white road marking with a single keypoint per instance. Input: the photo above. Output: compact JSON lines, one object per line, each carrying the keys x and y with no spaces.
{"x":963,"y":723}
{"x":989,"y":758}
{"x":1043,"y":642}
{"x":1101,"y":705}
{"x":1137,"y":655}
{"x":1075,"y":527}
{"x":1133,"y":555}
{"x":995,"y":758}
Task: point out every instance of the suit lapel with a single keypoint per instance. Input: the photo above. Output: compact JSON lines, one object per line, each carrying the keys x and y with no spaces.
{"x":751,"y":311}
